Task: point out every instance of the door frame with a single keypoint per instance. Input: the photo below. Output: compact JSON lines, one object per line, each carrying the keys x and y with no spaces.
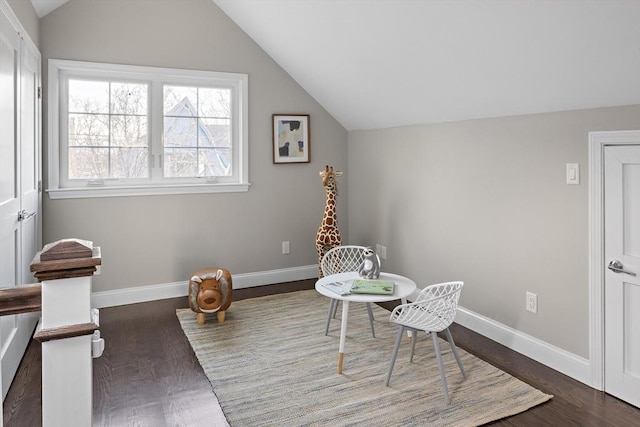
{"x":597,"y":143}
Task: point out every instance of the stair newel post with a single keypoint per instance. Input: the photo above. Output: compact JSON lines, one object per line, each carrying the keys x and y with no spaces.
{"x":68,"y":331}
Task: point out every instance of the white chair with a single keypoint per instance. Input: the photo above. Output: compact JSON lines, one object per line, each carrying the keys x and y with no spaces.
{"x":341,"y":259}
{"x":432,"y":312}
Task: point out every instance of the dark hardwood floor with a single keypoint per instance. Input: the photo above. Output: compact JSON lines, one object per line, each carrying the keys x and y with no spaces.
{"x":149,"y":376}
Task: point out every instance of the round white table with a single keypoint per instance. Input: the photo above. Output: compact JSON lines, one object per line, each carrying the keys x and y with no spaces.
{"x":403,"y":288}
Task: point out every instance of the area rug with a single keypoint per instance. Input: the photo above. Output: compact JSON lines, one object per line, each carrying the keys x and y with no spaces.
{"x":270,"y":364}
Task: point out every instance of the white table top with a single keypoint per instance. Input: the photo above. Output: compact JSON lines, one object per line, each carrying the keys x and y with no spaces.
{"x":404,"y":287}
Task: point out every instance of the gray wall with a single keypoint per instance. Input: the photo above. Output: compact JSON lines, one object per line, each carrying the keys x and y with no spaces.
{"x":485,"y":201}
{"x":25,"y":12}
{"x":162,"y":239}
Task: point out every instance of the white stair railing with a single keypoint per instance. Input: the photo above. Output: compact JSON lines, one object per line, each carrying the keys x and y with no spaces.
{"x":68,"y":331}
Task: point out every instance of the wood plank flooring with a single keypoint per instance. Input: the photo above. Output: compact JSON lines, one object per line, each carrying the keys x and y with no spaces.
{"x":149,"y":376}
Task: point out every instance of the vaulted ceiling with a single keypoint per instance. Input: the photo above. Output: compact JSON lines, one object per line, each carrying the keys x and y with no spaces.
{"x":382,"y":63}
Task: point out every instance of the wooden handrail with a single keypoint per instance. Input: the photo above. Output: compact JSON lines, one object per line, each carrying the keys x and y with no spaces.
{"x":69,"y":331}
{"x":20,"y":299}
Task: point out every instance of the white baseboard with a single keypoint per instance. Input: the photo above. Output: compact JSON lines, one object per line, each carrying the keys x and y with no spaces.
{"x":179,"y":289}
{"x":561,"y":360}
{"x":555,"y":358}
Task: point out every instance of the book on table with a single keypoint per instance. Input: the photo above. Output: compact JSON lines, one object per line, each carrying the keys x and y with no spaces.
{"x":372,"y":286}
{"x":340,"y":288}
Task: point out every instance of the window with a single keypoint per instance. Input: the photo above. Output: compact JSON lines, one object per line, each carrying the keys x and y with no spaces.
{"x":108,"y":134}
{"x":119,"y":130}
{"x":197,"y":131}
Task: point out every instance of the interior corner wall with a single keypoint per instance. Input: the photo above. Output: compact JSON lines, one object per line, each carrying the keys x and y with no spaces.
{"x":486,"y":201}
{"x":162,"y":239}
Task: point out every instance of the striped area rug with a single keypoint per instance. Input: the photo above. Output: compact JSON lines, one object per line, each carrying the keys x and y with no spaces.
{"x":270,"y":364}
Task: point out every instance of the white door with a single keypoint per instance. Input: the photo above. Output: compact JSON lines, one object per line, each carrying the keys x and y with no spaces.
{"x":622,"y":272}
{"x":19,"y":161}
{"x":9,"y":195}
{"x":30,"y":164}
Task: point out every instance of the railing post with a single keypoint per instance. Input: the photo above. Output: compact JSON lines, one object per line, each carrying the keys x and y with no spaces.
{"x":66,"y":331}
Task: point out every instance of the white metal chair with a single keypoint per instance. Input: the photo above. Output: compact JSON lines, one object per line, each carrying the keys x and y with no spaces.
{"x":432,"y":312}
{"x":341,"y":259}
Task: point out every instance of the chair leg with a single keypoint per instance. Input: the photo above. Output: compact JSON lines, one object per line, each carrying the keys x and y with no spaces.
{"x":370,"y":311}
{"x":395,"y":353}
{"x":455,"y":352}
{"x":332,"y":304}
{"x":436,"y":346}
{"x":414,"y":338}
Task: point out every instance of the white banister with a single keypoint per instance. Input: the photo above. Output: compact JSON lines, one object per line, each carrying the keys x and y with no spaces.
{"x":68,"y":331}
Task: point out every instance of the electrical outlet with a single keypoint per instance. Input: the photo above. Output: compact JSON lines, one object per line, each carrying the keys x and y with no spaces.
{"x":532,"y":302}
{"x":378,"y":248}
{"x":383,"y":252}
{"x":285,"y":248}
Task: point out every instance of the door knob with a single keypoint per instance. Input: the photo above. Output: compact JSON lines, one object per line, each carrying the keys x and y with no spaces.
{"x":24,"y":215}
{"x":617,"y":267}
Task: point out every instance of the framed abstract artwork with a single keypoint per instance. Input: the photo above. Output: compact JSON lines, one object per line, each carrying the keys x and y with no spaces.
{"x":291,"y":138}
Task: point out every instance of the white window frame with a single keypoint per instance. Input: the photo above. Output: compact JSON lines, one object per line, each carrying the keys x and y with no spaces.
{"x":59,"y":187}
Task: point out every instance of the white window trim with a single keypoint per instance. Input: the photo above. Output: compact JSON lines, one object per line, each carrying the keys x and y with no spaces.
{"x":56,"y":191}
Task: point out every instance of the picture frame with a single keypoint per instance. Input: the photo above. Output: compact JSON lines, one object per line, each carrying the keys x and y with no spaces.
{"x":291,"y":142}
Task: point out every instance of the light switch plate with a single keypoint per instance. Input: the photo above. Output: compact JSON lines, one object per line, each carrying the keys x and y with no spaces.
{"x":573,"y":173}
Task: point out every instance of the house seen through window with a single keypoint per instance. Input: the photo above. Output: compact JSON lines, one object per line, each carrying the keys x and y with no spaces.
{"x":197,"y":131}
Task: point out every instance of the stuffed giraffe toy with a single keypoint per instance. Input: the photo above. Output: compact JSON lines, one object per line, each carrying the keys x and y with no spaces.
{"x":328,"y":235}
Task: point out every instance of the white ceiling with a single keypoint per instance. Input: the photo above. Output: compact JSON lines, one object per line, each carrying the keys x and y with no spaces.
{"x":382,"y":63}
{"x":43,"y":7}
